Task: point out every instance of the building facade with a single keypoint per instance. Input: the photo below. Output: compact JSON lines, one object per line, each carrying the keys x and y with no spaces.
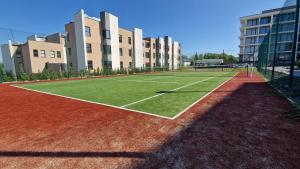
{"x":101,"y":43}
{"x":261,"y":28}
{"x":37,"y":54}
{"x":92,"y":43}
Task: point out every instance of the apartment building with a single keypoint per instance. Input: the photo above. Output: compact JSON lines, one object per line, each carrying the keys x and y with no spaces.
{"x":101,"y":43}
{"x":35,"y":55}
{"x":259,"y":28}
{"x":92,"y":43}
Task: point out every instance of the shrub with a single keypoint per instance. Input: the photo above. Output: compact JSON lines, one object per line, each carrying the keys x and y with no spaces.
{"x":12,"y":76}
{"x":298,"y":63}
{"x":83,"y":72}
{"x":22,"y":75}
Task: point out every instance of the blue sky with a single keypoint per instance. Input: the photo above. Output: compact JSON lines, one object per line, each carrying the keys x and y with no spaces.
{"x":200,"y":25}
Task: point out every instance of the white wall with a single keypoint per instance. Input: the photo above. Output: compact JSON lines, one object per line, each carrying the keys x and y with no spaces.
{"x":175,"y":55}
{"x":111,"y":22}
{"x":8,"y":60}
{"x":138,"y":47}
{"x":161,"y":50}
{"x":80,"y":40}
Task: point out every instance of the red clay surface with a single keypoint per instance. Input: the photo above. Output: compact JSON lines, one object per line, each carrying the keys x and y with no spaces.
{"x":240,"y":125}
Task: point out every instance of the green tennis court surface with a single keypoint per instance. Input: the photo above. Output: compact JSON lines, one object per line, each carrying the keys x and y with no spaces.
{"x":164,"y":94}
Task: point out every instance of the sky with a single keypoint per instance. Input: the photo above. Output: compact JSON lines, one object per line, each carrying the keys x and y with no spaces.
{"x":199,"y":25}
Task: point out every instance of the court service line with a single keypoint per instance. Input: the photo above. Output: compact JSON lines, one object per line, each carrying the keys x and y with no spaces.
{"x":148,"y":98}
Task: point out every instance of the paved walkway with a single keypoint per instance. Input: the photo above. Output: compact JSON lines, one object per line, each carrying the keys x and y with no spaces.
{"x":240,"y":125}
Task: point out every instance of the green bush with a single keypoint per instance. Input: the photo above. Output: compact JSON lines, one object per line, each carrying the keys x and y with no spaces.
{"x":298,"y":63}
{"x":22,"y":75}
{"x":12,"y":76}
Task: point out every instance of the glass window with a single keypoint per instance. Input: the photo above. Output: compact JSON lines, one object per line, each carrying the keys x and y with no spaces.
{"x":251,"y":40}
{"x":107,"y":49}
{"x":261,"y":39}
{"x":130,"y":64}
{"x":250,"y":49}
{"x":43,"y":53}
{"x":121,"y":65}
{"x":35,"y":53}
{"x":130,"y":52}
{"x":264,"y":30}
{"x":107,"y":64}
{"x":147,"y":44}
{"x":286,"y":17}
{"x":58,"y":54}
{"x":52,"y":54}
{"x":252,"y":31}
{"x":69,"y":51}
{"x":265,"y":20}
{"x":121,"y":51}
{"x":106,"y":34}
{"x":88,"y":31}
{"x":283,"y":27}
{"x":148,"y":55}
{"x":283,"y":47}
{"x":154,"y":55}
{"x":90,"y":65}
{"x":154,"y":45}
{"x":120,"y":39}
{"x":89,"y":48}
{"x":252,"y":22}
{"x":129,"y":40}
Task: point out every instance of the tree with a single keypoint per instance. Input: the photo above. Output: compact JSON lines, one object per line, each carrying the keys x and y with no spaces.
{"x":4,"y":74}
{"x":22,"y":75}
{"x":12,"y":76}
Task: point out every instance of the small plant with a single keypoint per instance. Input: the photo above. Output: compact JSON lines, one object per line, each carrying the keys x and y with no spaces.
{"x":12,"y":76}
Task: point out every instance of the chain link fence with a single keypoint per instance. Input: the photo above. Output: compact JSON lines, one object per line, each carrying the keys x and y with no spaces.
{"x":279,"y":52}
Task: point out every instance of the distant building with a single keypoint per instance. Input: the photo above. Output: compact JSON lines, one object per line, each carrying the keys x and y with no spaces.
{"x":209,"y":62}
{"x":37,"y":54}
{"x":255,"y":28}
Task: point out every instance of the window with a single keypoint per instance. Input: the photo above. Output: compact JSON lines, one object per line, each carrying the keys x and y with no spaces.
{"x":251,"y":40}
{"x":107,"y":64}
{"x":252,"y":31}
{"x":68,"y":36}
{"x":88,"y":31}
{"x":265,"y":20}
{"x":261,"y":39}
{"x":106,"y":34}
{"x":284,"y":47}
{"x":283,"y":37}
{"x":121,"y":65}
{"x":19,"y":54}
{"x":58,"y":54}
{"x":35,"y":53}
{"x":106,"y":49}
{"x":250,"y":49}
{"x":69,"y":51}
{"x":154,"y":45}
{"x":46,"y":65}
{"x":129,"y":40}
{"x":148,"y":55}
{"x":252,"y":22}
{"x":89,"y":48}
{"x":147,"y":45}
{"x":264,"y":30}
{"x":90,"y":65}
{"x":154,"y":55}
{"x":121,"y":52}
{"x":130,"y":64}
{"x":43,"y":53}
{"x":52,"y":54}
{"x":120,"y":39}
{"x":130,"y":52}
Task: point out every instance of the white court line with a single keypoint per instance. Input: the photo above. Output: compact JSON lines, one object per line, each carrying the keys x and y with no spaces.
{"x":165,"y":93}
{"x":146,"y":81}
{"x":203,"y":97}
{"x":103,"y":104}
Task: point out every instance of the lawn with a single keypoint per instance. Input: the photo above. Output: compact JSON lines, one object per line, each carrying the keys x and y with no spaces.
{"x":164,"y":94}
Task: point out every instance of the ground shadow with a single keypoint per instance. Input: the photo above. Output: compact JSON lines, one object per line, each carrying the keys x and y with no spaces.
{"x":247,"y":129}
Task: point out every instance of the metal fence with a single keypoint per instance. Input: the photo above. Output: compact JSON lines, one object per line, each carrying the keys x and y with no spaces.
{"x":278,"y":53}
